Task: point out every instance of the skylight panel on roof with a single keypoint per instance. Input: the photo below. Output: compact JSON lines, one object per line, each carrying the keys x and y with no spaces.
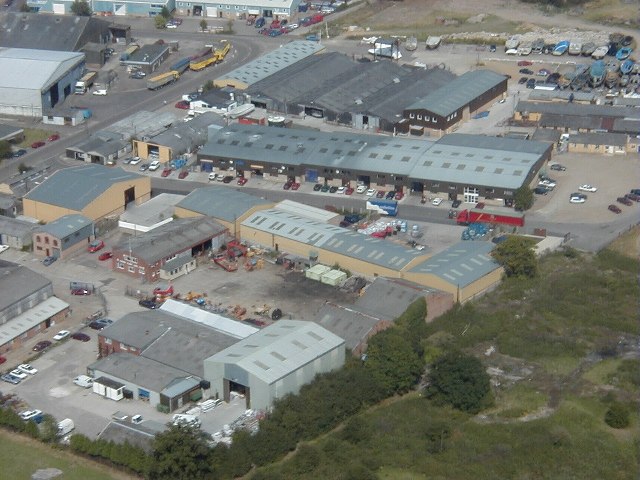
{"x":373,"y":155}
{"x":323,"y":150}
{"x":299,"y":344}
{"x":221,"y":141}
{"x":428,"y":163}
{"x":415,"y":147}
{"x":455,"y":154}
{"x":469,"y":155}
{"x":517,"y":173}
{"x":234,"y":142}
{"x":351,"y":153}
{"x":261,"y":365}
{"x":268,"y":146}
{"x":315,"y":336}
{"x":479,"y":169}
{"x":498,"y":170}
{"x":278,"y":356}
{"x":337,"y":152}
{"x":461,"y":166}
{"x":446,"y":165}
{"x":437,"y":151}
{"x":387,"y":157}
{"x":248,"y":144}
{"x":507,"y":159}
{"x":488,"y":157}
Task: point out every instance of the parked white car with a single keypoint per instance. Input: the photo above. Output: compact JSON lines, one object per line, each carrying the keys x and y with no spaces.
{"x":4,"y":248}
{"x":341,"y":190}
{"x":577,"y":198}
{"x":26,"y":368}
{"x":587,"y":188}
{"x":101,"y":92}
{"x":212,"y":176}
{"x":361,"y":189}
{"x":61,"y":335}
{"x":371,"y":192}
{"x":135,"y":161}
{"x":83,"y":381}
{"x":153,"y":166}
{"x":436,"y":201}
{"x":29,"y":414}
{"x":18,"y":373}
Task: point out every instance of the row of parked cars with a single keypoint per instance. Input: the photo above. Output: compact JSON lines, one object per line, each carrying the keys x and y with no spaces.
{"x":348,"y":190}
{"x":628,"y":199}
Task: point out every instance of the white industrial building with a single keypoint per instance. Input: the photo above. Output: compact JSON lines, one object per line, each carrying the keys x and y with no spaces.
{"x":34,"y":81}
{"x":274,"y":362}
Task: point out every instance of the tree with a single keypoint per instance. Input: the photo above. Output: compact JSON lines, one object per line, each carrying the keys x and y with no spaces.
{"x":229,"y":26}
{"x":5,"y":149}
{"x":179,"y":453}
{"x":165,"y":13}
{"x":160,"y":22}
{"x":81,"y":8}
{"x":523,"y":198}
{"x":517,"y":257}
{"x":208,"y":86}
{"x":24,"y":168}
{"x":617,"y":416}
{"x":49,"y":429}
{"x":392,"y":361}
{"x":203,"y":25}
{"x":459,"y":380}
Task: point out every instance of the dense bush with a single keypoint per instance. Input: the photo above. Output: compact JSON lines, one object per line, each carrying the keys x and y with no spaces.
{"x":122,"y":454}
{"x":617,"y":416}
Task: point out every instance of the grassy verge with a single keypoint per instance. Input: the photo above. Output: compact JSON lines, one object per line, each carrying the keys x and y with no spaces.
{"x":20,"y":457}
{"x":34,"y":135}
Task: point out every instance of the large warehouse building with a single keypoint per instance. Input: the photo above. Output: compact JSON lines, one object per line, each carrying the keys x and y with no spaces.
{"x":274,"y":362}
{"x":92,"y":190}
{"x":34,"y":81}
{"x":468,"y":167}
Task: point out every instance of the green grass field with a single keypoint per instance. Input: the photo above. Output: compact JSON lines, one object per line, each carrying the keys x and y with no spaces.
{"x":20,"y":457}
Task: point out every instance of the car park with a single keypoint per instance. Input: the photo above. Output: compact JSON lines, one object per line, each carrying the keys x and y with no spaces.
{"x":80,"y":292}
{"x":166,"y":172}
{"x":587,"y":188}
{"x":624,"y":201}
{"x":38,"y":144}
{"x":317,"y":187}
{"x":558,"y":167}
{"x":547,"y":183}
{"x":19,"y":153}
{"x":26,"y":368}
{"x":40,"y":346}
{"x":7,"y":377}
{"x":543,"y":72}
{"x":614,"y":208}
{"x":95,"y":246}
{"x":144,"y":167}
{"x":381,"y":194}
{"x":48,"y":260}
{"x":153,"y":166}
{"x":436,"y":201}
{"x":212,"y":176}
{"x":577,"y":198}
{"x":53,"y":138}
{"x":83,"y":337}
{"x":19,"y":374}
{"x":242,"y":181}
{"x":61,"y":335}
{"x":105,"y":256}
{"x":531,"y":83}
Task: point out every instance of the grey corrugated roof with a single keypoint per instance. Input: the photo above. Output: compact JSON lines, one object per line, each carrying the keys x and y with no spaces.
{"x":139,"y":370}
{"x":220,"y":202}
{"x":336,"y":150}
{"x":480,"y":160}
{"x":332,"y":238}
{"x":279,"y":349}
{"x":622,"y":125}
{"x":147,"y":53}
{"x":578,"y":109}
{"x":388,"y":298}
{"x":49,"y":32}
{"x":18,"y":282}
{"x":546,"y":135}
{"x":616,"y":139}
{"x":142,"y":124}
{"x":24,"y":322}
{"x":352,"y":325}
{"x":551,"y":120}
{"x":549,"y":95}
{"x":169,"y":339}
{"x":35,"y":69}
{"x":461,"y":264}
{"x":184,"y":137}
{"x":459,"y":92}
{"x":9,"y":131}
{"x":66,"y":225}
{"x":76,"y":187}
{"x":272,"y":62}
{"x":155,"y":210}
{"x":15,"y":227}
{"x":171,"y":238}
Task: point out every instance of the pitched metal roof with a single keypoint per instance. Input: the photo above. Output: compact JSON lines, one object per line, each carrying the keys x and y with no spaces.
{"x":578,"y":109}
{"x":616,"y":139}
{"x":459,"y":92}
{"x":66,"y":225}
{"x":184,"y":137}
{"x":279,"y":349}
{"x":18,"y":283}
{"x":461,"y":264}
{"x":272,"y":62}
{"x":220,"y":202}
{"x":35,"y":69}
{"x":171,"y":238}
{"x":332,"y":238}
{"x":347,"y":323}
{"x":76,"y":187}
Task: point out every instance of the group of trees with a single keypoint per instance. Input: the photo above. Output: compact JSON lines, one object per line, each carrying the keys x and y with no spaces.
{"x":46,"y":431}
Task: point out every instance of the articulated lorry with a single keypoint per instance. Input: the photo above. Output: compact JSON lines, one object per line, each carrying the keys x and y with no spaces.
{"x":159,"y":81}
{"x":85,"y":83}
{"x":484,"y":215}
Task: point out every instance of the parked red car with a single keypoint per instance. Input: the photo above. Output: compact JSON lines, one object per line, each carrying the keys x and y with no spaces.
{"x":2,"y":360}
{"x":381,"y":194}
{"x":183,"y":174}
{"x":95,"y":246}
{"x":80,"y":291}
{"x":53,"y":138}
{"x":105,"y":256}
{"x":37,"y":144}
{"x":166,"y":172}
{"x":182,"y":105}
{"x":524,"y":63}
{"x":348,"y":191}
{"x":295,"y":186}
{"x":399,"y":196}
{"x":242,"y":181}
